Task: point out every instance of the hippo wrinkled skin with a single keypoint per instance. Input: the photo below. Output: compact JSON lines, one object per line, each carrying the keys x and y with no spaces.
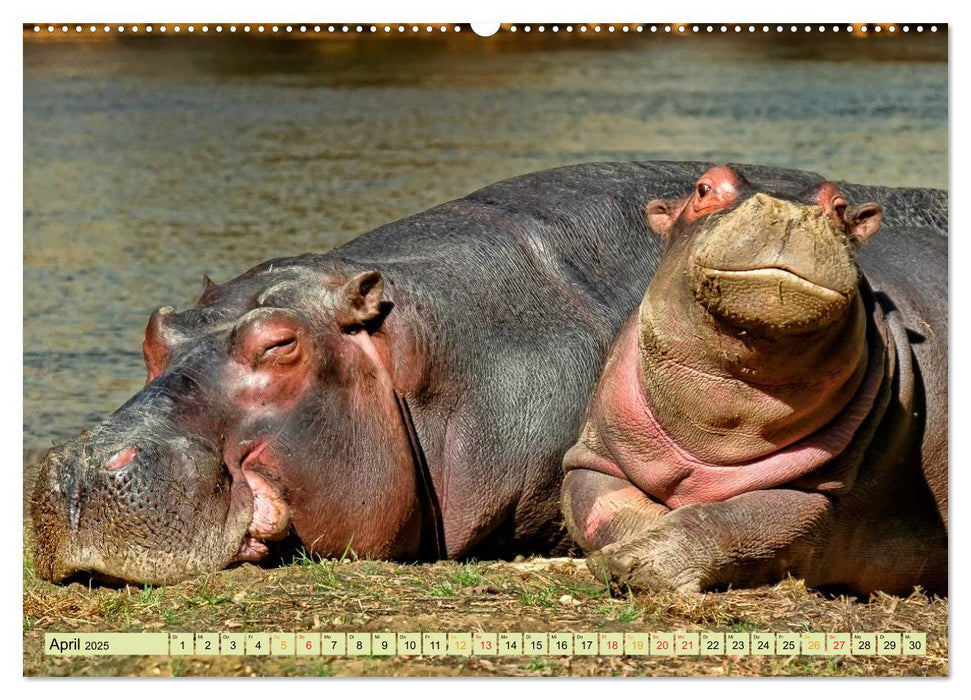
{"x":409,"y":395}
{"x":778,"y":403}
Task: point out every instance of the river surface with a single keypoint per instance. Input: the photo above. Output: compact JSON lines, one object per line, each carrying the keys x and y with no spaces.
{"x":149,"y":162}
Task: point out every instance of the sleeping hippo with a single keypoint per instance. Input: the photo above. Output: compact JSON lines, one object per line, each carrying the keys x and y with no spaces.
{"x":407,"y":396}
{"x":778,"y":403}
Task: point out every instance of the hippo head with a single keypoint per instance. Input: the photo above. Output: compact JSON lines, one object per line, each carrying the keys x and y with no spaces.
{"x":269,"y":411}
{"x":771,"y":258}
{"x":753,"y":333}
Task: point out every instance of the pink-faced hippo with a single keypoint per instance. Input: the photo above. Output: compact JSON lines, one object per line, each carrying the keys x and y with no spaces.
{"x":769,"y":410}
{"x":409,"y":395}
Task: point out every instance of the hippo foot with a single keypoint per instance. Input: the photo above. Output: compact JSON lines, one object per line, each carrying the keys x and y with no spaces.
{"x":655,"y":562}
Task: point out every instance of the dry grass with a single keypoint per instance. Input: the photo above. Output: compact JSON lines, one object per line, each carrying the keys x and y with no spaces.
{"x":536,"y":595}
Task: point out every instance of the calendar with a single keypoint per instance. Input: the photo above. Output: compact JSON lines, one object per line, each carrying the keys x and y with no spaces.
{"x":525,"y":347}
{"x":341,"y":644}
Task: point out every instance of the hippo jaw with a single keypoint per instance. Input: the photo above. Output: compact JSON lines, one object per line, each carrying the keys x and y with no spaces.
{"x":774,"y":267}
{"x":246,"y":510}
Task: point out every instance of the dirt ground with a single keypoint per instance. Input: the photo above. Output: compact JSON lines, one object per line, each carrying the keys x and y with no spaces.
{"x":533,"y":595}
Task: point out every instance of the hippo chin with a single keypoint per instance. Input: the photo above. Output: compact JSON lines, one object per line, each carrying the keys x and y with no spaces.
{"x":771,"y":410}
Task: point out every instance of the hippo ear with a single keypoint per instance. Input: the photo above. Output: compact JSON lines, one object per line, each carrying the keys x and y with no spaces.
{"x":160,"y":339}
{"x":662,"y":213}
{"x":362,"y":304}
{"x":863,"y":220}
{"x":207,"y":286}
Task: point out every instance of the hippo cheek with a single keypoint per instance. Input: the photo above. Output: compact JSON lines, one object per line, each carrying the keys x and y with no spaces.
{"x":767,"y":300}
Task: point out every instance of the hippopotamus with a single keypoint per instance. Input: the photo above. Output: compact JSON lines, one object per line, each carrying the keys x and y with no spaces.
{"x":406,"y":396}
{"x":777,"y":404}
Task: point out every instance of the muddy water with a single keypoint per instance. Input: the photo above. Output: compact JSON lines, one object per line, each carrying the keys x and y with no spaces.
{"x":150,"y":162}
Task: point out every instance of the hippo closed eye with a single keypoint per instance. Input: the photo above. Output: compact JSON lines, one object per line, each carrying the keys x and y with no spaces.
{"x":764,"y":412}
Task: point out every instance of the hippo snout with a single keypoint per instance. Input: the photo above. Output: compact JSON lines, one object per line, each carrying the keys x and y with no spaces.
{"x":775,"y":267}
{"x":129,"y":510}
{"x":55,"y":511}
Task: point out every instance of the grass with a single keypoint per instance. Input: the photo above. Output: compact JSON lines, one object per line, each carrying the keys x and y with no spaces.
{"x":466,"y":575}
{"x":629,"y":613}
{"x":443,"y":589}
{"x":746,"y":626}
{"x":535,"y":595}
{"x":538,"y":597}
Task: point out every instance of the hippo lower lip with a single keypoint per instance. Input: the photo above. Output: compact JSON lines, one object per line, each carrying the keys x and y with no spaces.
{"x":768,"y":299}
{"x":251,"y":549}
{"x":776,"y":275}
{"x":271,"y":517}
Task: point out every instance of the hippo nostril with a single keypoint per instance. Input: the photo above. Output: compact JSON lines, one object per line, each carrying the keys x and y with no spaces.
{"x":121,"y":459}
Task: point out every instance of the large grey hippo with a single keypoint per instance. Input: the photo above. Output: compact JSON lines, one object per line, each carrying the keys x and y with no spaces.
{"x":409,"y":395}
{"x":778,"y":403}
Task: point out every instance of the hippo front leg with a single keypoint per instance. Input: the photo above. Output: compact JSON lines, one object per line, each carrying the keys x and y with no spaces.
{"x":600,"y":509}
{"x":750,"y":540}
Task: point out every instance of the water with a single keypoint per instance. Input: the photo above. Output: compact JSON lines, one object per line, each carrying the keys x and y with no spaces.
{"x":148,"y":162}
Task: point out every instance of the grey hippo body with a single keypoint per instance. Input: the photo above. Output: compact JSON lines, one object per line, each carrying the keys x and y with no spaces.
{"x":409,"y":395}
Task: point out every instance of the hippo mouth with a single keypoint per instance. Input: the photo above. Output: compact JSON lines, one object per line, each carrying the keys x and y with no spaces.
{"x":768,"y":299}
{"x":271,"y":516}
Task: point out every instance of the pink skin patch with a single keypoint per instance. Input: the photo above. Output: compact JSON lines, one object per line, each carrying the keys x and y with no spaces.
{"x":252,"y":549}
{"x":121,"y":459}
{"x":271,"y":515}
{"x":606,"y":507}
{"x":640,"y":451}
{"x":716,"y":189}
{"x":829,"y":197}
